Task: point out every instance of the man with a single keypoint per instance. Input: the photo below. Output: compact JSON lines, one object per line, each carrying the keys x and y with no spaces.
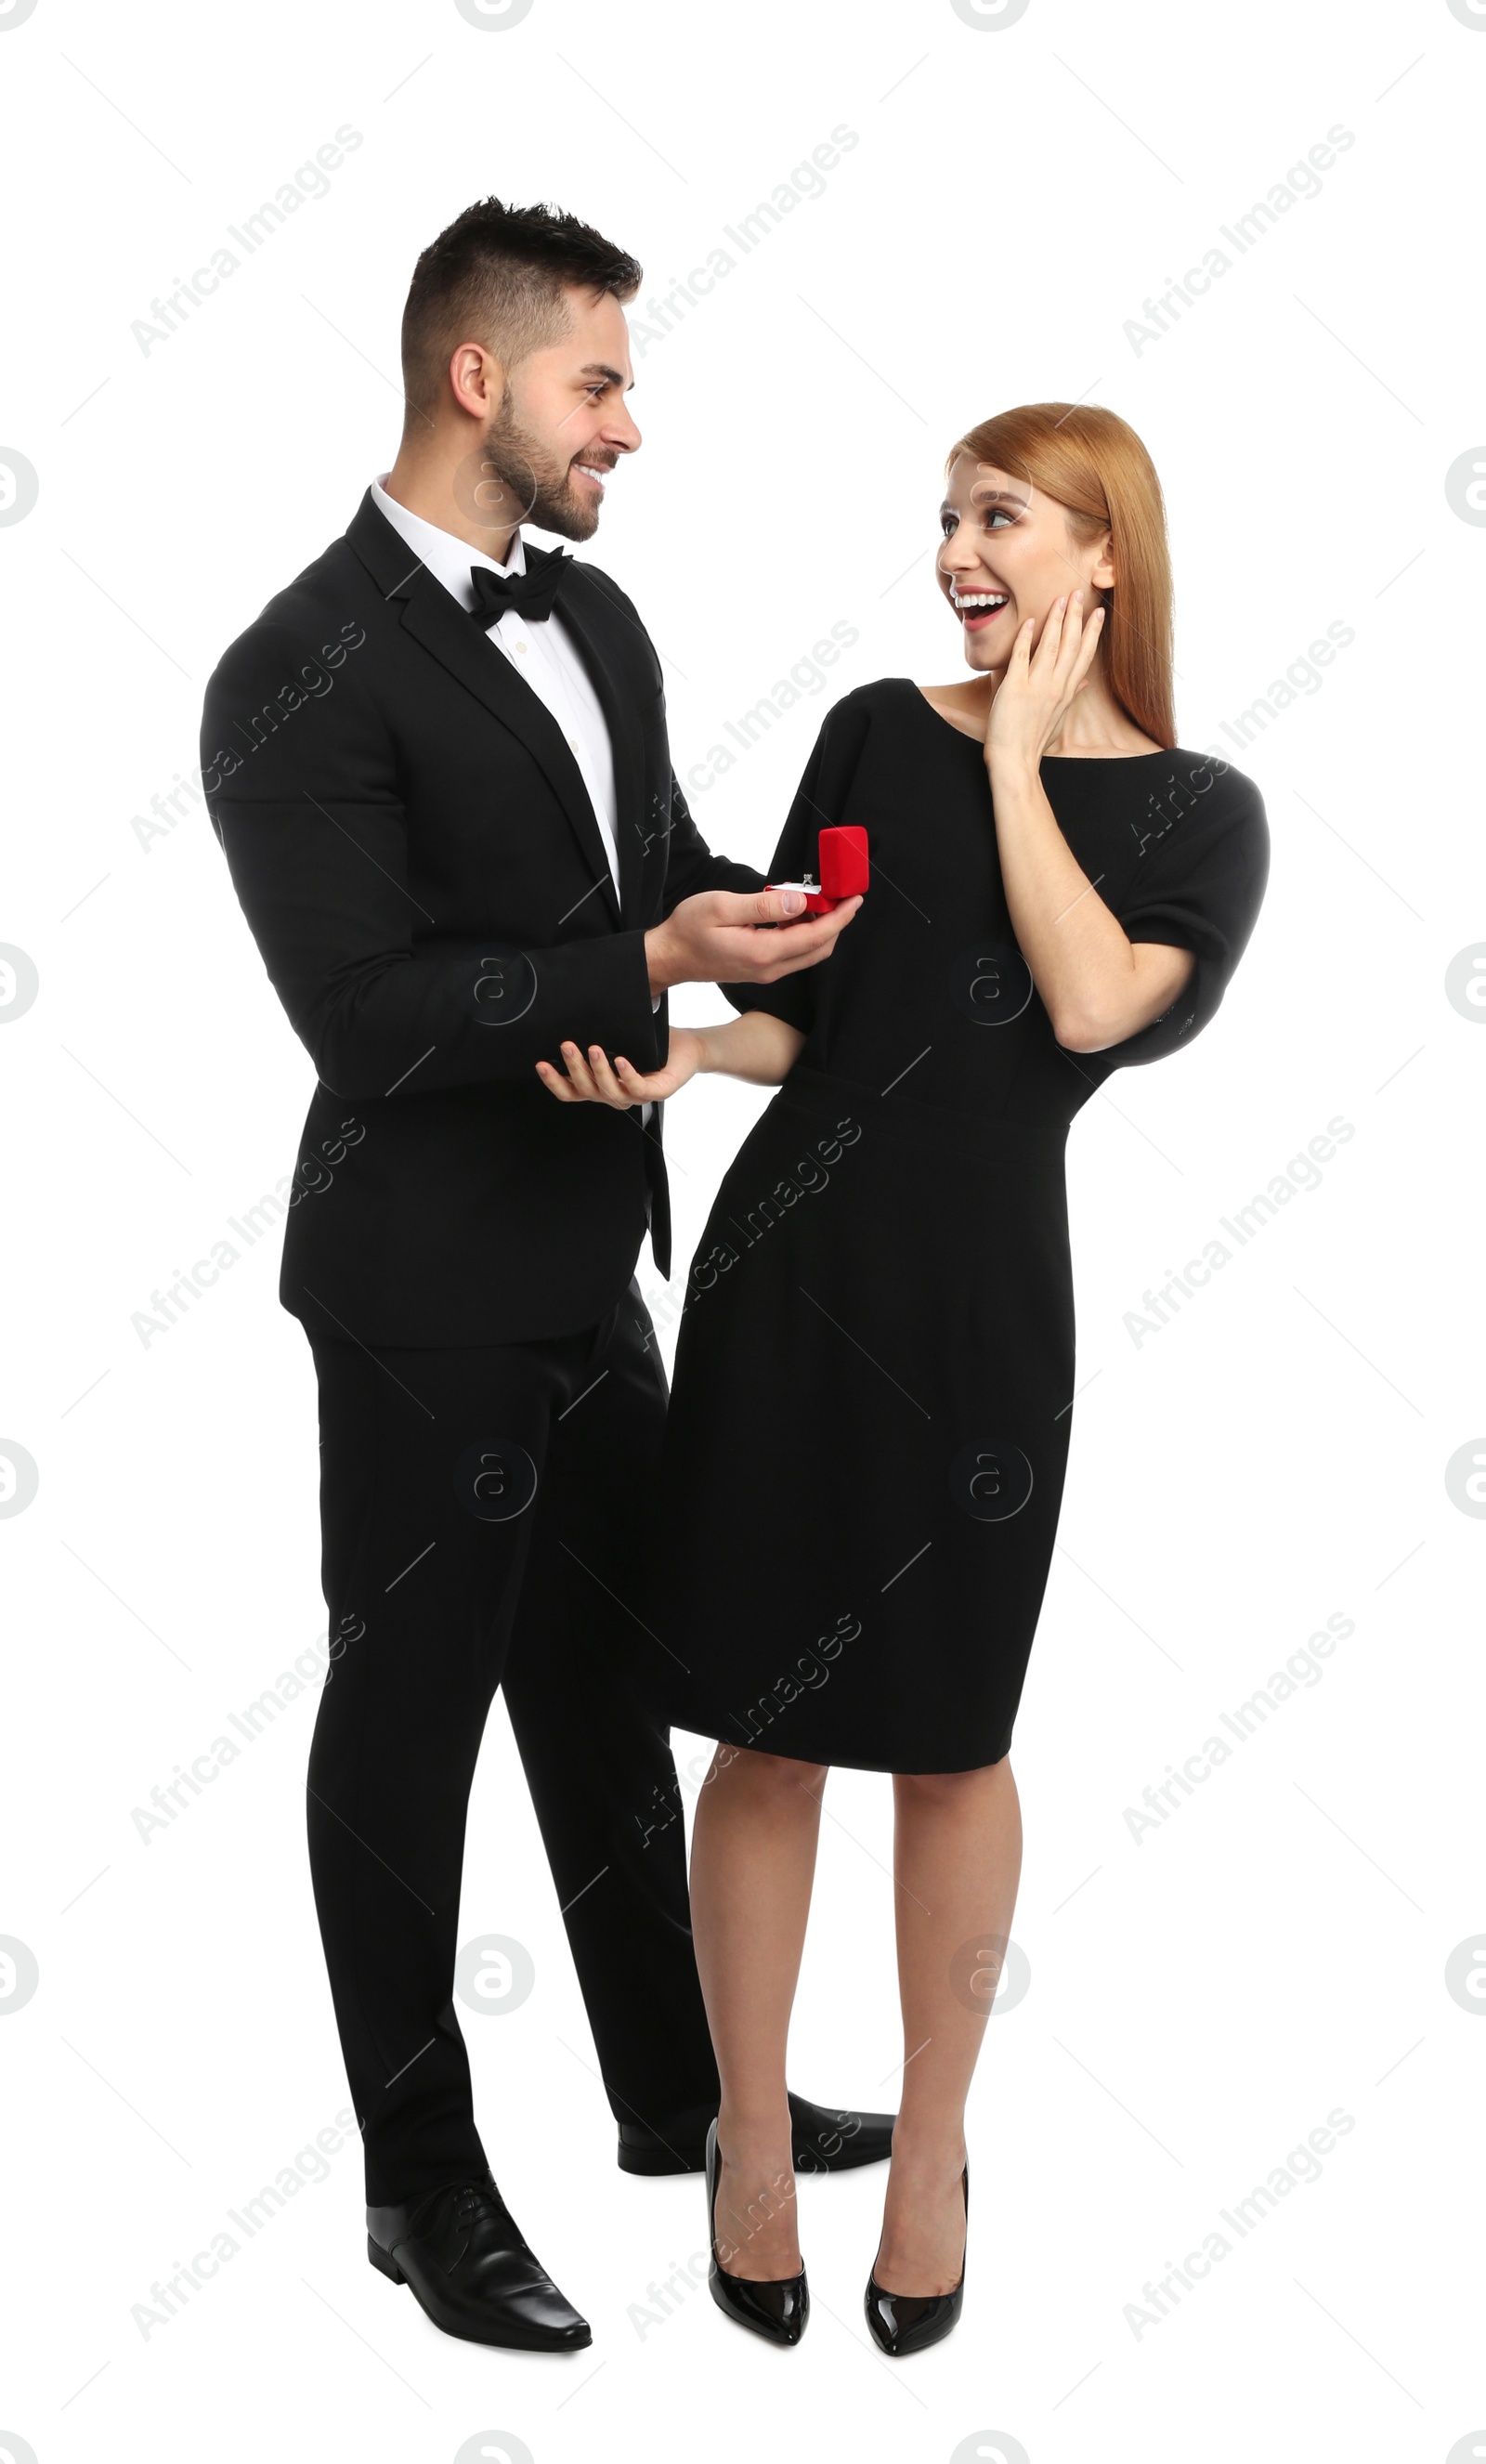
{"x":437,"y":765}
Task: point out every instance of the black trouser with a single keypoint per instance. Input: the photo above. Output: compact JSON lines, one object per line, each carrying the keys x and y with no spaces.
{"x":485,"y":1517}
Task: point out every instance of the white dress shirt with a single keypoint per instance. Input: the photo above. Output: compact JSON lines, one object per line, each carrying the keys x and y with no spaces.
{"x":544,"y":655}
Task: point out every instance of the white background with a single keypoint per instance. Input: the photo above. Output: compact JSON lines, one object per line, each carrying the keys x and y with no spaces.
{"x":1277,"y":1947}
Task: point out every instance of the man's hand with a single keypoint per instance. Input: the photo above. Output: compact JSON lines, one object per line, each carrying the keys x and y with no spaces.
{"x":721,"y":936}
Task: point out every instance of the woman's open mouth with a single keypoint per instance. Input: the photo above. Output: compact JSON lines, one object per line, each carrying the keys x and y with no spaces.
{"x":976,"y":608}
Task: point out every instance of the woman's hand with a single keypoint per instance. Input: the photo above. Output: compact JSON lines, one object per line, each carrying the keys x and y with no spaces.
{"x":590,"y":1079}
{"x":1038,"y":691}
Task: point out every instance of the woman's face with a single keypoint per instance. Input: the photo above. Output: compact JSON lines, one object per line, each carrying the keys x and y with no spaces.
{"x":1009,"y":554}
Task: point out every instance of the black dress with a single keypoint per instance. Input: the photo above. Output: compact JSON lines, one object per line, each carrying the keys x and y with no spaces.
{"x":869,"y":1419}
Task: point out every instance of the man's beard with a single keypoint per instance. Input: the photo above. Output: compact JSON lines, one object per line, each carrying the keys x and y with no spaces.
{"x":536,"y":487}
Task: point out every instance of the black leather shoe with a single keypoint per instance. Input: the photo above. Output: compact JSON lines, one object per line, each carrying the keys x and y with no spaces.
{"x":909,"y":2323}
{"x":471,"y":2271}
{"x":829,"y":2141}
{"x":826,"y":2141}
{"x":776,"y":2306}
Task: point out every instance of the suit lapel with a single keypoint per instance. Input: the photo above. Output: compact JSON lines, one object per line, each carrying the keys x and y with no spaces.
{"x":436,"y":621}
{"x":587,"y":621}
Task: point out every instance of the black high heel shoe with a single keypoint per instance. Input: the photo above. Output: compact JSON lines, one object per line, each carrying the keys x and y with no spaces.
{"x":777,"y":2307}
{"x":908,"y":2322}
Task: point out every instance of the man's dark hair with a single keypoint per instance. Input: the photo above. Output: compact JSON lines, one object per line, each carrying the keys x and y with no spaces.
{"x":496,"y":277}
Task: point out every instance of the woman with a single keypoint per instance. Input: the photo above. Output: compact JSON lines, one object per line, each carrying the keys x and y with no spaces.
{"x":874,"y":1368}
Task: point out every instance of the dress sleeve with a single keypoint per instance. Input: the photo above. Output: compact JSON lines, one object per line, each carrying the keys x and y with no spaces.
{"x":1196,"y":885}
{"x":819,"y":802}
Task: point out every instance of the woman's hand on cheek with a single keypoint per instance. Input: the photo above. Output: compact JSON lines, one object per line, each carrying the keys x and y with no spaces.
{"x":1038,"y":691}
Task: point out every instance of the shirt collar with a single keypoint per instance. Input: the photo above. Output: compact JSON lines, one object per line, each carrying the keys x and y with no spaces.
{"x":446,"y":557}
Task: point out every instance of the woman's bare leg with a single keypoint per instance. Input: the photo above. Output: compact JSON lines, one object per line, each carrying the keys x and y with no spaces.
{"x":753,"y":1864}
{"x":956,"y":1861}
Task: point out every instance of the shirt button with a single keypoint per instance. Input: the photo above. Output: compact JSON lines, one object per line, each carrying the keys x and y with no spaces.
{"x":522,"y":648}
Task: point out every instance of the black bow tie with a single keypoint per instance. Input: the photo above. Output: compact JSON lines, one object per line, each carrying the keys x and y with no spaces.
{"x":530,"y":593}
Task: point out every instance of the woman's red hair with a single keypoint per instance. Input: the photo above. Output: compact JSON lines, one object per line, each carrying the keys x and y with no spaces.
{"x":1095,"y":465}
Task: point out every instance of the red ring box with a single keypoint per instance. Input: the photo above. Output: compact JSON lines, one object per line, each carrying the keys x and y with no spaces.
{"x":844,"y":872}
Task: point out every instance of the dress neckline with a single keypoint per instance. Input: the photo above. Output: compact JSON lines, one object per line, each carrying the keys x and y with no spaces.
{"x":1082,"y":759}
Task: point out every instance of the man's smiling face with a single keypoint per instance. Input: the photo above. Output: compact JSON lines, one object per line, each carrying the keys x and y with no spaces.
{"x":562,"y":425}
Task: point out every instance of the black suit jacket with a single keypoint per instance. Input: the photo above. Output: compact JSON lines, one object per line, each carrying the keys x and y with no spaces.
{"x":413,"y":847}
